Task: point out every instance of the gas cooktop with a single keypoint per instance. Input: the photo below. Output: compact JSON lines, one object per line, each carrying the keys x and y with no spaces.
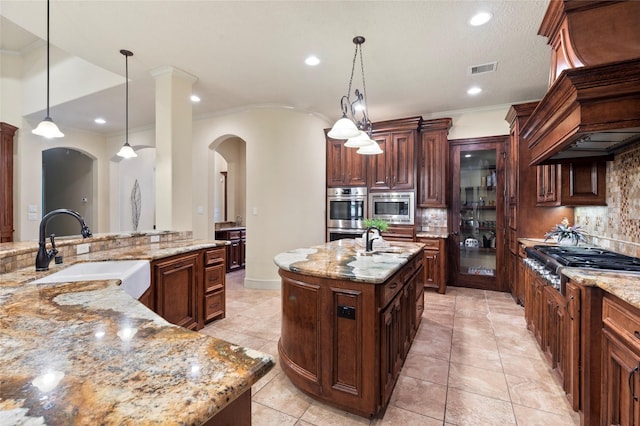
{"x":590,"y":257}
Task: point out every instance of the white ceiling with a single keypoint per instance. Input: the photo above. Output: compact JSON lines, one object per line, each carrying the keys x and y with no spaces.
{"x":417,"y":54}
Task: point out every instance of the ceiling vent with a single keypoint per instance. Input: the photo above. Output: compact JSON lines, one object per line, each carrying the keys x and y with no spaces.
{"x":482,"y":69}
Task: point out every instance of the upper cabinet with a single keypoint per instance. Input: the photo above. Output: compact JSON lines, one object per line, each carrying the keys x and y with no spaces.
{"x":395,"y":167}
{"x":579,"y":183}
{"x":433,"y":163}
{"x":344,"y":166}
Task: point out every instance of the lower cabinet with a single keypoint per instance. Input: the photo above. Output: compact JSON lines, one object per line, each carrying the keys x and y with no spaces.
{"x":621,"y":363}
{"x":434,"y":260}
{"x":214,"y":284}
{"x":236,"y":249}
{"x":188,"y":289}
{"x":177,"y":282}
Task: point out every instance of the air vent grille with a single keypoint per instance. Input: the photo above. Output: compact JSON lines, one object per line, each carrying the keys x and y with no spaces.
{"x":484,"y":68}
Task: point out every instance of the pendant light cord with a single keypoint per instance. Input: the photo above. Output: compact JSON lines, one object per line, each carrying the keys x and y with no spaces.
{"x":48,"y":58}
{"x":126,"y":120}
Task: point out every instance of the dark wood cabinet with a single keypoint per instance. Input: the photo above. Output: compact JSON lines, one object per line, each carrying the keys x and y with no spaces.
{"x":394,"y":169}
{"x":400,"y":233}
{"x":579,"y":183}
{"x":433,"y":163}
{"x":235,"y":257}
{"x":7,"y":132}
{"x":345,"y":167}
{"x":178,"y":289}
{"x":621,"y":363}
{"x":434,"y":262}
{"x":214,"y":284}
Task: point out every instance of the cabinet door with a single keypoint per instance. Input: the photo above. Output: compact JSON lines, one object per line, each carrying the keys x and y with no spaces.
{"x":177,"y":284}
{"x":432,"y":170}
{"x":336,"y":163}
{"x":402,"y":164}
{"x":379,"y":165}
{"x":430,"y":268}
{"x":547,"y":184}
{"x":391,"y":347}
{"x":620,"y":386}
{"x":583,"y":184}
{"x":572,"y":351}
{"x":234,"y":258}
{"x":356,"y":168}
{"x":511,"y":167}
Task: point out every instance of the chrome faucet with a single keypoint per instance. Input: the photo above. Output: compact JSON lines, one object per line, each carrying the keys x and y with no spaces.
{"x":369,"y":241}
{"x":44,"y":256}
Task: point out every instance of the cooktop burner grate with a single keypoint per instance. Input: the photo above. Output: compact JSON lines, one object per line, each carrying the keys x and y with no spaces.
{"x":590,"y":257}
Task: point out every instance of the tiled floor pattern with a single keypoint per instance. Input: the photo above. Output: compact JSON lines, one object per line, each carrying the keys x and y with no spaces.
{"x":472,"y":363}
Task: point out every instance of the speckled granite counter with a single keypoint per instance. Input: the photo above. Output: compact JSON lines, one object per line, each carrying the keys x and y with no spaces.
{"x":88,"y":353}
{"x":345,"y":259}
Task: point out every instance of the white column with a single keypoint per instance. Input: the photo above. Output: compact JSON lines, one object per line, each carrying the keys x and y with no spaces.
{"x":174,"y":197}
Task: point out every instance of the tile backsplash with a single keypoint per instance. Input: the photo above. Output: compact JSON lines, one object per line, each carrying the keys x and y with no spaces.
{"x":617,"y":225}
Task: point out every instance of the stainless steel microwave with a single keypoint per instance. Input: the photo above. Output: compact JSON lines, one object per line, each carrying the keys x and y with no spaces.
{"x":394,"y":207}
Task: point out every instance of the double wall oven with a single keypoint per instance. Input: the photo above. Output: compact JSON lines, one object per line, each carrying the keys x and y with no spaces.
{"x":346,"y":209}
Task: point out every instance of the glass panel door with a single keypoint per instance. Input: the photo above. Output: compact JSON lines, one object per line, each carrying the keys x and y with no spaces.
{"x":478,"y":212}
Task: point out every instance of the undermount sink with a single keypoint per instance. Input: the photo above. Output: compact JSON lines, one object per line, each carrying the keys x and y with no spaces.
{"x":134,"y":274}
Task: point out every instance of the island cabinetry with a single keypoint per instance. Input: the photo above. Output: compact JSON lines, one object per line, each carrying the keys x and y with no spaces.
{"x":344,"y":341}
{"x":345,"y":167}
{"x":178,"y":288}
{"x":433,"y":163}
{"x":214,"y":284}
{"x":621,"y":363}
{"x":235,"y":258}
{"x":434,"y":261}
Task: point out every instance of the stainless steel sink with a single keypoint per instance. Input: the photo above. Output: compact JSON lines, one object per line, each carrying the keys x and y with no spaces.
{"x":134,"y":274}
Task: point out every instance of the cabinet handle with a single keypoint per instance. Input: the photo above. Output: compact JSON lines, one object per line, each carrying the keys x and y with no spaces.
{"x":420,"y":307}
{"x":637,"y":334}
{"x":631,"y":373}
{"x":571,"y":316}
{"x":394,"y":285}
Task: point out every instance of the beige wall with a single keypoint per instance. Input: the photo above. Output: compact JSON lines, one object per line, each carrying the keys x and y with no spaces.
{"x":285,"y":186}
{"x":476,"y":123}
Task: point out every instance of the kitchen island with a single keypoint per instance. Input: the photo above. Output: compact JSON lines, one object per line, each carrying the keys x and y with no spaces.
{"x":88,"y":353}
{"x":348,"y":320}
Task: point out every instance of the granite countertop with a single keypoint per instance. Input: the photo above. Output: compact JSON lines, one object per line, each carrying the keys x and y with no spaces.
{"x":345,"y":259}
{"x":88,"y":353}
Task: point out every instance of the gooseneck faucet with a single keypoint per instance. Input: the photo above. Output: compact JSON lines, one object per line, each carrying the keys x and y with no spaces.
{"x":369,"y":241}
{"x":44,"y":256}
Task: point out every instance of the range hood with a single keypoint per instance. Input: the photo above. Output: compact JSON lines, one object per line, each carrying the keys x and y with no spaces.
{"x":592,"y":107}
{"x":587,"y":112}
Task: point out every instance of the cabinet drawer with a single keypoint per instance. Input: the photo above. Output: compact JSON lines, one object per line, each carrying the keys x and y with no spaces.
{"x":214,"y":278}
{"x":233,"y":235}
{"x":621,"y":320}
{"x":214,"y":305}
{"x":390,"y":290}
{"x":430,"y":243}
{"x":214,"y":256}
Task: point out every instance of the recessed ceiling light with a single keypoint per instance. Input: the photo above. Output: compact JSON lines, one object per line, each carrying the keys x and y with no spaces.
{"x":467,"y":156}
{"x":195,"y":98}
{"x":100,"y":121}
{"x":474,"y":91}
{"x":480,"y":18}
{"x":312,"y":61}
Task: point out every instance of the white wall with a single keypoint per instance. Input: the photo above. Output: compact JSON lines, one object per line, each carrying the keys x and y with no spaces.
{"x":476,"y":123}
{"x":285,"y":157}
{"x":128,"y":171}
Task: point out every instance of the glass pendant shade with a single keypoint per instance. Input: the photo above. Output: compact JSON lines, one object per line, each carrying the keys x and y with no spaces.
{"x":126,"y":151}
{"x":359,"y":141}
{"x":373,"y":149}
{"x":343,"y":129}
{"x":48,"y":129}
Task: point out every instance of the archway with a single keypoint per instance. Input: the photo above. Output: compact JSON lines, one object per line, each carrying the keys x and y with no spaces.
{"x":227,"y":181}
{"x":68,"y":182}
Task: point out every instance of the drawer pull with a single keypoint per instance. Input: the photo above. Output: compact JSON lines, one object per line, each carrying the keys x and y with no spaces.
{"x":392,"y":286}
{"x":631,"y":373}
{"x":637,"y":334}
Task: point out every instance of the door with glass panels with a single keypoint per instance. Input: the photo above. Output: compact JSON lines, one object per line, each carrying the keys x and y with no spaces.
{"x":477,"y":212}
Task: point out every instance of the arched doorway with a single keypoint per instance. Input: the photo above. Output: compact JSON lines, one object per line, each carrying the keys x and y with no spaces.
{"x":227,"y":181}
{"x":68,"y":182}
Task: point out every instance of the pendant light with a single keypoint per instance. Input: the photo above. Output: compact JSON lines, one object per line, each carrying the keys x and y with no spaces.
{"x":47,"y":127}
{"x":126,"y":151}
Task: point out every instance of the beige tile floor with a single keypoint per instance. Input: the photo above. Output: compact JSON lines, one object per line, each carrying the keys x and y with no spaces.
{"x":472,"y":363}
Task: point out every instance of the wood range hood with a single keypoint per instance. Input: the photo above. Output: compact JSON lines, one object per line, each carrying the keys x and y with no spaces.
{"x":592,"y":107}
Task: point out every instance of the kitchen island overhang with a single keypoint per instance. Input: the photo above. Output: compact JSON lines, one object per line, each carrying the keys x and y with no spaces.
{"x":348,"y":320}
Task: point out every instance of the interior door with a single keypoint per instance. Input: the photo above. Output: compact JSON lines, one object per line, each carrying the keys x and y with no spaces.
{"x":477,"y":181}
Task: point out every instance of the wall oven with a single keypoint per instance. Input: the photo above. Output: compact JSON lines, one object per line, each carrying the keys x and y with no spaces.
{"x":346,"y":209}
{"x":394,"y":207}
